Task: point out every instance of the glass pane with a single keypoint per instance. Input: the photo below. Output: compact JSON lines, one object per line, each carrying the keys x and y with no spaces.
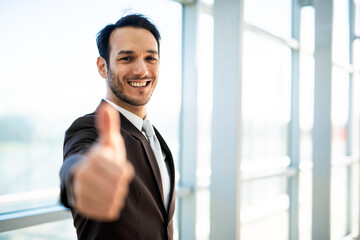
{"x":211,"y":2}
{"x":339,"y":111}
{"x":306,"y":82}
{"x":306,"y":105}
{"x":203,"y":214}
{"x":356,"y":53}
{"x":355,"y":187}
{"x":356,"y":117}
{"x":205,"y":90}
{"x":305,"y":204}
{"x":48,"y":77}
{"x":264,"y":205}
{"x":355,"y":133}
{"x":340,"y":49}
{"x":272,"y":16}
{"x":205,"y":87}
{"x":307,"y":29}
{"x":266,"y":97}
{"x":339,"y":202}
{"x":274,"y":227}
{"x":357,"y":17}
{"x":355,"y":140}
{"x":306,"y":85}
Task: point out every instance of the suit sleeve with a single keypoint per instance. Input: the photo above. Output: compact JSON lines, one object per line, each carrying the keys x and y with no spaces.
{"x":78,"y":139}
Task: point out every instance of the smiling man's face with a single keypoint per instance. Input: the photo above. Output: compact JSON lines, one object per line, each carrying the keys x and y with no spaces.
{"x":133,"y":68}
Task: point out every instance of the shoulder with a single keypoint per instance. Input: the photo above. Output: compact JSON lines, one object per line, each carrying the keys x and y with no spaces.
{"x":80,"y":135}
{"x":86,"y":121}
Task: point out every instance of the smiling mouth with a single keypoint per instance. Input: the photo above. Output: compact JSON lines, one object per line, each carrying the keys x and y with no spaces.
{"x":139,"y":84}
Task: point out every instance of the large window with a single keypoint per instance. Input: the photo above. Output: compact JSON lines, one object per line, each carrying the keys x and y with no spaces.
{"x":345,"y":120}
{"x":266,"y":91}
{"x":48,"y":78}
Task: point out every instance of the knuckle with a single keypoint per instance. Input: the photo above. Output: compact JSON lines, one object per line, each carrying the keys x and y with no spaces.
{"x":111,"y":213}
{"x":129,"y":171}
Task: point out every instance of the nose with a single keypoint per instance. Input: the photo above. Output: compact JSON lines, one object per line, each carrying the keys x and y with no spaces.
{"x":140,"y":69}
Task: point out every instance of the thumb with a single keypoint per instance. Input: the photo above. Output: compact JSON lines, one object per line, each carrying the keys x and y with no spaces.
{"x":108,"y":125}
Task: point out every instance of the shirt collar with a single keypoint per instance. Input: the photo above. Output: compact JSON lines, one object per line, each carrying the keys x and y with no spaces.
{"x":133,"y":118}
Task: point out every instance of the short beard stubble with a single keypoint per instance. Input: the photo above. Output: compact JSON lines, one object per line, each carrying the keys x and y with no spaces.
{"x":117,"y":88}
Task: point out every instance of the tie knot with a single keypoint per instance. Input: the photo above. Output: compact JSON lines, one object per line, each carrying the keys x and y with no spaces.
{"x":148,"y":128}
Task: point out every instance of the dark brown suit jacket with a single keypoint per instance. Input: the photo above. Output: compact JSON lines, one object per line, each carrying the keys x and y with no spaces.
{"x":144,"y":215}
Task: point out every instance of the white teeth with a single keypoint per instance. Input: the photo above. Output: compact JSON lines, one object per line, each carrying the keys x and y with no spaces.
{"x":137,"y":84}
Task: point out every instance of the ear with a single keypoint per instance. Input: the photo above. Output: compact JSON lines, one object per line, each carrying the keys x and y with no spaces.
{"x":102,"y":67}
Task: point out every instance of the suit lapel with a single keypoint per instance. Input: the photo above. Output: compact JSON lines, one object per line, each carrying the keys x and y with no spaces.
{"x":171,"y":166}
{"x":127,"y":126}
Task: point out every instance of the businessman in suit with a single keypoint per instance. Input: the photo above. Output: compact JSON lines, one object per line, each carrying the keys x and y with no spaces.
{"x":118,"y":172}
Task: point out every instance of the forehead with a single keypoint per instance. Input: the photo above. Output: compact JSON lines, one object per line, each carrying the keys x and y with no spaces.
{"x":134,"y":39}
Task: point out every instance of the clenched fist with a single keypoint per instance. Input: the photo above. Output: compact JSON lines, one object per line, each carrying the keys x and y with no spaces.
{"x":102,"y":178}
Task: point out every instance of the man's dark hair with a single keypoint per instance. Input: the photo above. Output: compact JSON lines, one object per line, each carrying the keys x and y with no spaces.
{"x":133,"y":20}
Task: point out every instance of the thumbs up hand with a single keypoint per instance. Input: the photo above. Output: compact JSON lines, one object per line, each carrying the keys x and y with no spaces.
{"x":101,"y":179}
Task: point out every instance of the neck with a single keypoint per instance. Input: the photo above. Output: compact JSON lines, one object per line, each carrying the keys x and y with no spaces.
{"x":139,"y":111}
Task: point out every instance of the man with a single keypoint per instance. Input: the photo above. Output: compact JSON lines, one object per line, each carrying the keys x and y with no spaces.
{"x":118,"y":179}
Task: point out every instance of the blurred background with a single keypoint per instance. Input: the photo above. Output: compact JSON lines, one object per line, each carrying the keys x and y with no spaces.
{"x":258,"y":100}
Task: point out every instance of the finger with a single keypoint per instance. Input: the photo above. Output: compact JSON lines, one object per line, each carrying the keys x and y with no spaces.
{"x":128,"y":172}
{"x":88,"y":185}
{"x":105,"y":198}
{"x":108,"y":125}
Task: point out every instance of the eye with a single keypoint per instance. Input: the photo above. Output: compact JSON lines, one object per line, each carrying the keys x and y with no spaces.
{"x":125,"y":59}
{"x":151,"y":59}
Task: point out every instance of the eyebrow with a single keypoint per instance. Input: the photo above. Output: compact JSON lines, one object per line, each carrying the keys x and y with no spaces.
{"x":152,"y":51}
{"x":126,"y":52}
{"x":133,"y":52}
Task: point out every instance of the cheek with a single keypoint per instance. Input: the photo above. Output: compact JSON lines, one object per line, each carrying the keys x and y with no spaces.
{"x":123,"y":72}
{"x":155,"y":71}
{"x":154,"y":67}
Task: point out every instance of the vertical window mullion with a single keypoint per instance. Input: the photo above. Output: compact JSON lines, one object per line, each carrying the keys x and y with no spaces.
{"x":294,"y":133}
